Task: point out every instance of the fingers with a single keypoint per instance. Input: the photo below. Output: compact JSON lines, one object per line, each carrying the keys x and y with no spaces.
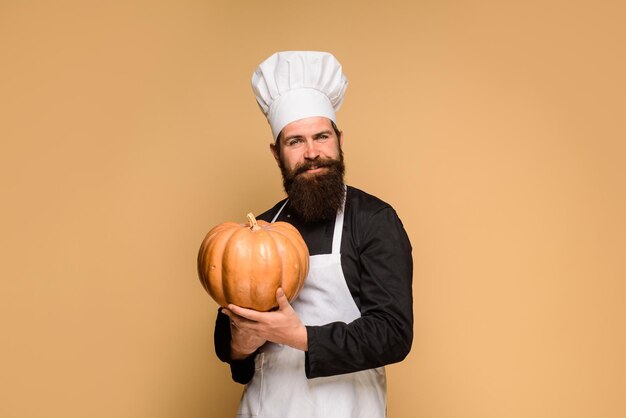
{"x":250,"y":314}
{"x":239,"y":315}
{"x":235,"y":320}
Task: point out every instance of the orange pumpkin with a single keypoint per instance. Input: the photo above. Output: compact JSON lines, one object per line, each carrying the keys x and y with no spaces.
{"x":245,"y":264}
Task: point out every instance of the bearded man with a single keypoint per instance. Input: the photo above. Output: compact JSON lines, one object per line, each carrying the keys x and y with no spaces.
{"x":324,"y":354}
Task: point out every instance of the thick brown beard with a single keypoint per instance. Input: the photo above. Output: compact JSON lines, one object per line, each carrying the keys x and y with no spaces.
{"x":318,"y":197}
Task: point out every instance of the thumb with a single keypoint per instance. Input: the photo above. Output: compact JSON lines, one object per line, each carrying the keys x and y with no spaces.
{"x":281,"y":298}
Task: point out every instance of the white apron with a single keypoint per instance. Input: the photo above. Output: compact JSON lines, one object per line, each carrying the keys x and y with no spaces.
{"x":280,"y":389}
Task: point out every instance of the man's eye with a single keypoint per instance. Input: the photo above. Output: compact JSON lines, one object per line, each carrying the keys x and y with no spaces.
{"x":292,"y":142}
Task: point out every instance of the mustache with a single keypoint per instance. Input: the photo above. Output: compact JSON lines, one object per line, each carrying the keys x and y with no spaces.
{"x":310,"y":165}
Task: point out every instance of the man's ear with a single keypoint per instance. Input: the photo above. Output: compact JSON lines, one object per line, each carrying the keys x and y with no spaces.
{"x":274,"y":149}
{"x":341,"y":139}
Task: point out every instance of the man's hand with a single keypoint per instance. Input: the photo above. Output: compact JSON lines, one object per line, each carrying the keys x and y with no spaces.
{"x":282,"y":326}
{"x":242,"y":343}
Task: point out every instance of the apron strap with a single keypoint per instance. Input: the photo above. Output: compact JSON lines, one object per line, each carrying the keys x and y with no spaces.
{"x":338,"y":232}
{"x":279,"y":211}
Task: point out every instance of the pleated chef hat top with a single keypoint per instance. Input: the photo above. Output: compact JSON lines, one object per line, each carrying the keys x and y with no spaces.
{"x":294,"y":85}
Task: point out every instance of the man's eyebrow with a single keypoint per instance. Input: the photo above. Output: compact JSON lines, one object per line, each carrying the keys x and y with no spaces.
{"x":299,"y":136}
{"x":326,"y":132}
{"x":287,"y":138}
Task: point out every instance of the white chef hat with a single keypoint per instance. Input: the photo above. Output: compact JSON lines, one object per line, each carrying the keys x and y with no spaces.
{"x":294,"y":85}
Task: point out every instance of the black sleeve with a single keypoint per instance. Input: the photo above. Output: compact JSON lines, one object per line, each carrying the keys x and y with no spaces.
{"x":384,"y":332}
{"x":241,"y":370}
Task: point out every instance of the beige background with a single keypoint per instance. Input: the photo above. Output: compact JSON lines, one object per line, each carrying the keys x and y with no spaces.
{"x":496,"y":129}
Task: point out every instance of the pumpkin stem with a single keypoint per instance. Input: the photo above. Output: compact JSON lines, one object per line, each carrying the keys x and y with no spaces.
{"x":252,"y":222}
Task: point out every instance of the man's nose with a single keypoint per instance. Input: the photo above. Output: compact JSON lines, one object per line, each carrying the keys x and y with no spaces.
{"x":311,"y":151}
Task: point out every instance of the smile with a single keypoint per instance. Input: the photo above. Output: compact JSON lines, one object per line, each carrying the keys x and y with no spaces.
{"x":316,"y":169}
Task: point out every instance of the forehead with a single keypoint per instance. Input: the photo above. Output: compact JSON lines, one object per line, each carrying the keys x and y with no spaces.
{"x":307,"y":126}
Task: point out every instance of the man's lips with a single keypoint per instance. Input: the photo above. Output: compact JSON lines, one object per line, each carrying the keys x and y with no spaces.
{"x":312,"y":169}
{"x":316,"y":169}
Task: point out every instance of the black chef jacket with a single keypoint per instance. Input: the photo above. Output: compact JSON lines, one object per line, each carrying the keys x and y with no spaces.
{"x":378,"y":268}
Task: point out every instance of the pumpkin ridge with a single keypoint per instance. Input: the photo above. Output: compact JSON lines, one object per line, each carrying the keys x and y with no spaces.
{"x":236,"y":287}
{"x":302,"y":252}
{"x":271,"y":259}
{"x":205,"y":251}
{"x":215,"y":274}
{"x":290,"y":264}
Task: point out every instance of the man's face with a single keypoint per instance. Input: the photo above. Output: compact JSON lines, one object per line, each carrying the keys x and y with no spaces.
{"x":309,"y":155}
{"x":305,"y":144}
